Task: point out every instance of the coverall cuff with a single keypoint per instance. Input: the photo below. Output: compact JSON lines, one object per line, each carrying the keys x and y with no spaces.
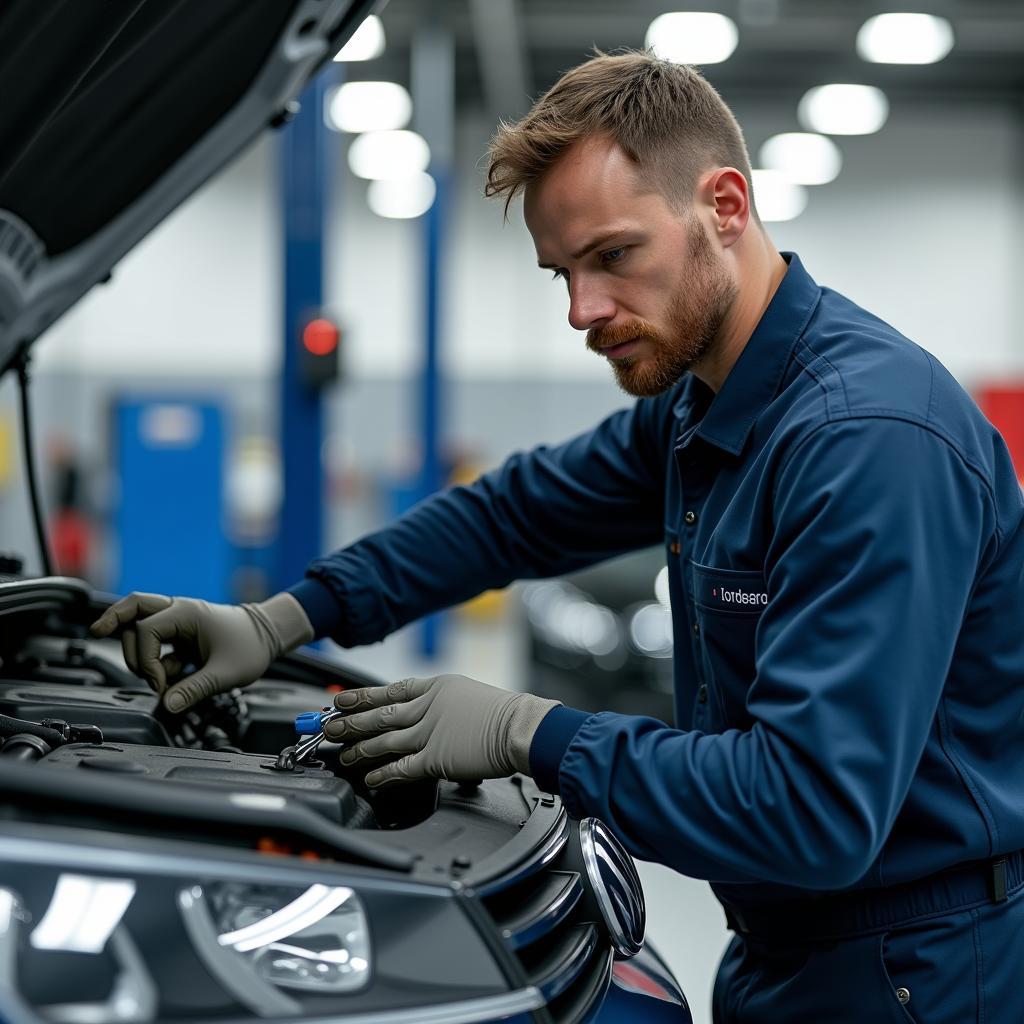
{"x":319,"y":604}
{"x":550,"y":742}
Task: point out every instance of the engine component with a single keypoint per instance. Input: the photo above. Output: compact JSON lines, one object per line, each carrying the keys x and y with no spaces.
{"x":125,"y":716}
{"x":318,"y":788}
{"x":25,"y":747}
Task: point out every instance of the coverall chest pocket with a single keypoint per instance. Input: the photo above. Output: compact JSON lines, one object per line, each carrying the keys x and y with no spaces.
{"x":729,"y":603}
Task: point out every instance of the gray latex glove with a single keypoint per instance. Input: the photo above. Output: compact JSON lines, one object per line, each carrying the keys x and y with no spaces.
{"x":230,"y":645}
{"x":446,"y":727}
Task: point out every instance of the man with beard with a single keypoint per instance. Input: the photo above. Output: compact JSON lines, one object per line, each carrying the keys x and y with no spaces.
{"x":843,"y":532}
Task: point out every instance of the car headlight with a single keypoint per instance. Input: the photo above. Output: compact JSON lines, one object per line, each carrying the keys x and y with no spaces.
{"x":165,"y":931}
{"x":312,"y":939}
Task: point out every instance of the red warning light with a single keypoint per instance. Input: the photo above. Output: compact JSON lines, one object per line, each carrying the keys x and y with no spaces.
{"x":320,"y":337}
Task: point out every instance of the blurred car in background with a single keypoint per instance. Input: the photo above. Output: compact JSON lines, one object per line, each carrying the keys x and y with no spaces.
{"x":601,"y":639}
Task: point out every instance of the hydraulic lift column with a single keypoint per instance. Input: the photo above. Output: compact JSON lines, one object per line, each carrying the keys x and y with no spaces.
{"x":433,"y":93}
{"x":303,"y":154}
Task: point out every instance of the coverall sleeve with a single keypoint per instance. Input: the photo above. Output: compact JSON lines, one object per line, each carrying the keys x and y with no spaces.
{"x":543,"y":512}
{"x":880,"y":530}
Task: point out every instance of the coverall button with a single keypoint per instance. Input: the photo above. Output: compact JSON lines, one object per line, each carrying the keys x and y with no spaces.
{"x":903,"y":995}
{"x":696,"y":629}
{"x":702,"y":694}
{"x":690,"y":518}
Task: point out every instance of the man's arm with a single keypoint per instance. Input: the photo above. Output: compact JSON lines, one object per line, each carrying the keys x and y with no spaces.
{"x":881,"y":529}
{"x":543,"y":512}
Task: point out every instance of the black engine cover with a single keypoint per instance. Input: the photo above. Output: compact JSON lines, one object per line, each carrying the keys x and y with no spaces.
{"x":318,"y":788}
{"x":124,"y":715}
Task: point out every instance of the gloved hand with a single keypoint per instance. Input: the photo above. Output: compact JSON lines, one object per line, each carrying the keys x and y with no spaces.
{"x":230,"y":645}
{"x":446,"y":727}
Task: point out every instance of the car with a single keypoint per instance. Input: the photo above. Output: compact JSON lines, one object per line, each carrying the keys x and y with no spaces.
{"x":600,"y":639}
{"x":214,"y":865}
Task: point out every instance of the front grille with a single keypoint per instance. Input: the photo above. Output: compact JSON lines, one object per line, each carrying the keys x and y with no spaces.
{"x":542,"y":916}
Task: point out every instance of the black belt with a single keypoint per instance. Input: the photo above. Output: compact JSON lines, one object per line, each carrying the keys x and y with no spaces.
{"x":865,"y":911}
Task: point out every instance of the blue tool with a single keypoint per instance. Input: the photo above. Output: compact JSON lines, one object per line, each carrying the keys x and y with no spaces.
{"x":310,"y":724}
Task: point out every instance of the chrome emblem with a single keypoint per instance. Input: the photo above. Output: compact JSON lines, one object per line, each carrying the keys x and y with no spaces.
{"x":616,"y":886}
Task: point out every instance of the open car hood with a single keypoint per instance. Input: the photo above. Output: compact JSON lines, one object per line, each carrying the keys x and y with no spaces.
{"x":114,"y":111}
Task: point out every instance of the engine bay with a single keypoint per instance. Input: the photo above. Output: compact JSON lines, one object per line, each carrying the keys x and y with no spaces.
{"x":230,"y":742}
{"x":86,"y":743}
{"x":98,"y":776}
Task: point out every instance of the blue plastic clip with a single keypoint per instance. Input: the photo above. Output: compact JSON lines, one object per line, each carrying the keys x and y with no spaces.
{"x":308,"y":723}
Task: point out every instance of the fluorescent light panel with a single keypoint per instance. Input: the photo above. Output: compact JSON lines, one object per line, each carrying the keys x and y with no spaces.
{"x":843,"y":109}
{"x":392,"y":154}
{"x":692,"y":37}
{"x":402,"y":197}
{"x":804,"y":157}
{"x":365,"y":43}
{"x":905,"y":39}
{"x":776,"y":197}
{"x":369,"y":106}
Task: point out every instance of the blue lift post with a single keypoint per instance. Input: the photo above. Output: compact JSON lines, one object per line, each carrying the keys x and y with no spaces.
{"x":433,"y":90}
{"x":303,"y":171}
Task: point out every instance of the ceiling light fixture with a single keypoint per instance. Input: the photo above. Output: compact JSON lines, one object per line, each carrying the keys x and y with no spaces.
{"x":365,"y":43}
{"x":394,"y":154}
{"x":804,"y":157}
{"x":402,"y":197}
{"x":776,"y":197}
{"x":905,"y":39}
{"x":369,"y":106}
{"x":843,"y":109}
{"x":692,"y":37}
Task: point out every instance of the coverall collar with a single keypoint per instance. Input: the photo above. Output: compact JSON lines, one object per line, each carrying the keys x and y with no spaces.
{"x":757,"y":375}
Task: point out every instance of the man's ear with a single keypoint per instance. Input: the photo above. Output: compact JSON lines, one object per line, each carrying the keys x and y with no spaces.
{"x":726,"y":192}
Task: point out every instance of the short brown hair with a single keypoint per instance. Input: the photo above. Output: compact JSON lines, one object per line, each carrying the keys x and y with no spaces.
{"x":666,"y":117}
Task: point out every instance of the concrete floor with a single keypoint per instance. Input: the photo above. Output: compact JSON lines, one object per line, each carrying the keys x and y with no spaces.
{"x":684,"y":922}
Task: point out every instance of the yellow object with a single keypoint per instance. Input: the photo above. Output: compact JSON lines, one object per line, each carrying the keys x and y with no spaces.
{"x":488,"y":606}
{"x":7,"y":460}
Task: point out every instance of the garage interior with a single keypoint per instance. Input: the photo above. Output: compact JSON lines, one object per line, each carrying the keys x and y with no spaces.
{"x":433,"y":346}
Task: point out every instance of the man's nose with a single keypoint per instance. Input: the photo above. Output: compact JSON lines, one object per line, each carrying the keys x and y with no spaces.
{"x":589,"y":306}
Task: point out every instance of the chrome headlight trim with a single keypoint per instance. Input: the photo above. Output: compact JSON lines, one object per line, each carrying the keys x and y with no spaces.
{"x":616,"y":885}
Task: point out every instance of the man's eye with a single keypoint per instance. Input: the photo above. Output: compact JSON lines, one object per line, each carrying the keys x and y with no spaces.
{"x":613,"y":255}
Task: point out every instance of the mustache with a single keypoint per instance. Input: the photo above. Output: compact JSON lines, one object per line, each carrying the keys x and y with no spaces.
{"x":605,"y":337}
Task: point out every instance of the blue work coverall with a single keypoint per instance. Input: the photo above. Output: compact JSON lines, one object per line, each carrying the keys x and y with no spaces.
{"x":845,"y":539}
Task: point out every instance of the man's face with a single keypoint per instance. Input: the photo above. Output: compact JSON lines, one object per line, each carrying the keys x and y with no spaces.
{"x":644,"y":280}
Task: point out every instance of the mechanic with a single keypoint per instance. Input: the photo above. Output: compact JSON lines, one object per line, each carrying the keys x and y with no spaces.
{"x":843,"y":531}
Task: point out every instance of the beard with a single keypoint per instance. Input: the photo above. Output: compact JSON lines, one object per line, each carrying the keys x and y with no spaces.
{"x":695,"y":315}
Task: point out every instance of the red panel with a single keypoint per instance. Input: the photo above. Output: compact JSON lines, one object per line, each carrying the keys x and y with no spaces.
{"x":1003,"y":404}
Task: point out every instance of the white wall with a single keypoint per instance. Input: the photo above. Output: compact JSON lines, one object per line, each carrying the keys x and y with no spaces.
{"x":920,"y":227}
{"x":198,"y":296}
{"x":923,"y":228}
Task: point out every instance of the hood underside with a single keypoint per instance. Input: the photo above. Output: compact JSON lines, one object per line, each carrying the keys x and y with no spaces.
{"x":115,"y":111}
